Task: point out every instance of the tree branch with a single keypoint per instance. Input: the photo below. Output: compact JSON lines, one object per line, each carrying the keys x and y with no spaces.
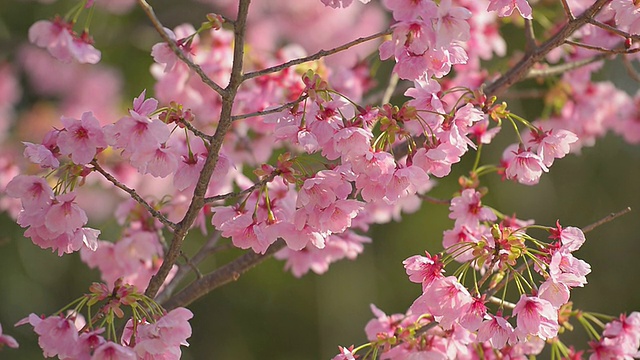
{"x":272,"y":110}
{"x":223,"y":275}
{"x":246,"y":191}
{"x":197,"y":201}
{"x":567,"y":10}
{"x":174,"y":47}
{"x":320,"y":54}
{"x":562,"y":68}
{"x":134,"y":195}
{"x":521,"y":69}
{"x":207,"y":249}
{"x":605,"y":220}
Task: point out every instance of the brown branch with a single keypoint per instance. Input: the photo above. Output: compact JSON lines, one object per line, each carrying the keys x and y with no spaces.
{"x":207,"y":249}
{"x":521,"y":69}
{"x":320,"y":54}
{"x":246,"y":191}
{"x":221,"y":276}
{"x":197,"y":201}
{"x":134,"y":195}
{"x":562,"y":68}
{"x":613,"y":30}
{"x":195,"y":131}
{"x":567,"y":10}
{"x":633,"y":73}
{"x":606,"y":219}
{"x":270,"y":111}
{"x":174,"y":47}
{"x":601,"y":49}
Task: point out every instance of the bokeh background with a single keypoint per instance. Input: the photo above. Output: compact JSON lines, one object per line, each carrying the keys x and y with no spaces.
{"x":269,"y":314}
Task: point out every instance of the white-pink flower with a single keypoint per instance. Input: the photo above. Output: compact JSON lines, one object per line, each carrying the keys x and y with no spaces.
{"x":537,"y":317}
{"x":61,"y":42}
{"x":506,"y":7}
{"x":81,"y":139}
{"x":525,"y":167}
{"x":497,"y":331}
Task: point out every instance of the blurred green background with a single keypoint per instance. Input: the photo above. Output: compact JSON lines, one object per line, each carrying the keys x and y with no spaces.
{"x":269,"y":314}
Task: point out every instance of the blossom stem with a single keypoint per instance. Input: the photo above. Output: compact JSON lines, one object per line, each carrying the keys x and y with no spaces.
{"x":174,"y":47}
{"x":320,"y":54}
{"x":134,"y":195}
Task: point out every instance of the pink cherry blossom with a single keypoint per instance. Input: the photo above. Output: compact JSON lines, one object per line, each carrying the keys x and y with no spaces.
{"x":446,"y":299}
{"x":556,"y":293}
{"x":554,"y":145}
{"x":497,"y":331}
{"x":467,"y":209}
{"x":112,"y":351}
{"x":537,"y":317}
{"x":164,"y":337}
{"x":81,"y":139}
{"x":57,"y":335}
{"x":345,"y":353}
{"x":7,"y":340}
{"x":41,"y":154}
{"x":423,"y":269}
{"x":565,"y":268}
{"x":525,"y":167}
{"x":65,"y":215}
{"x":61,"y":42}
{"x":33,"y":191}
{"x":506,"y":7}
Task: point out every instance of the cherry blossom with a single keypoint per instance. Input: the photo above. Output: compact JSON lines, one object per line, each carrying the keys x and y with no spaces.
{"x":61,"y":42}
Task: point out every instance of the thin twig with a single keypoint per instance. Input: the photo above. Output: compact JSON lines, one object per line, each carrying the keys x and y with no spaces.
{"x":601,"y":49}
{"x":567,"y":10}
{"x":390,"y":89}
{"x":613,"y":30}
{"x":174,"y":47}
{"x":134,"y":195}
{"x":563,"y":68}
{"x":433,"y":200}
{"x":606,"y":219}
{"x":633,"y":73}
{"x":206,"y":250}
{"x":530,"y":45}
{"x":320,"y":54}
{"x":221,"y":276}
{"x":270,"y":111}
{"x":246,"y":191}
{"x":195,"y":131}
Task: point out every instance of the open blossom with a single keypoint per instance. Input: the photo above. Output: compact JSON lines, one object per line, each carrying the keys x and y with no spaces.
{"x":57,"y":335}
{"x":525,"y":167}
{"x":537,"y":317}
{"x":506,"y":7}
{"x":467,"y":210}
{"x":163,"y":338}
{"x":61,"y":42}
{"x":7,"y":340}
{"x":446,"y":299}
{"x":497,"y":331}
{"x":341,"y":3}
{"x":554,"y":144}
{"x":81,"y":139}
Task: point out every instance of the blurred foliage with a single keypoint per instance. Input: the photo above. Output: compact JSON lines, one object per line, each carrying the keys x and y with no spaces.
{"x":268,"y":314}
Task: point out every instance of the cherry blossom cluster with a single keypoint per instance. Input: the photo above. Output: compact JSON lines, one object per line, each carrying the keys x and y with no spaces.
{"x":151,"y":333}
{"x":452,"y":320}
{"x":340,"y":168}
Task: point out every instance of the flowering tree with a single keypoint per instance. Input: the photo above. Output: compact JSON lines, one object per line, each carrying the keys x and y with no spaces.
{"x":251,"y":144}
